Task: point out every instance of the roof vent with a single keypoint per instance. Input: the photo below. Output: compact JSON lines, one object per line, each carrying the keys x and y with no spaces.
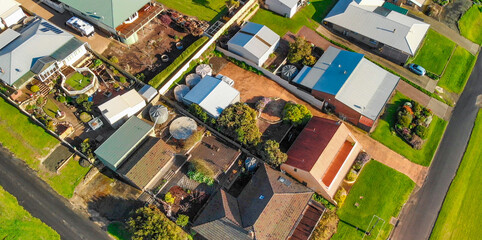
{"x":344,"y":72}
{"x":261,"y":197}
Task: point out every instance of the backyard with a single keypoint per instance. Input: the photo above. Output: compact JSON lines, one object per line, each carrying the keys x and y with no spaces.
{"x":435,"y":52}
{"x":50,"y":108}
{"x":461,"y":211}
{"x":310,"y":16}
{"x":458,"y":70}
{"x":470,"y":24}
{"x":78,"y":81}
{"x":384,"y":134}
{"x":202,"y":9}
{"x":17,"y":223}
{"x":379,"y":191}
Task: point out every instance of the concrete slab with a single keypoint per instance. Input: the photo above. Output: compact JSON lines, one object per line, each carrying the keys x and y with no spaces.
{"x":438,"y":108}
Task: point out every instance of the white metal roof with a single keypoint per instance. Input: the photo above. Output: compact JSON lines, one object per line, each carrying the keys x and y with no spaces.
{"x":388,"y":27}
{"x":255,"y":38}
{"x":8,"y":7}
{"x":122,"y":105}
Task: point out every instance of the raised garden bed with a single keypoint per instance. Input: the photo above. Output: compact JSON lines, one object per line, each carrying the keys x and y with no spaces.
{"x":78,"y":81}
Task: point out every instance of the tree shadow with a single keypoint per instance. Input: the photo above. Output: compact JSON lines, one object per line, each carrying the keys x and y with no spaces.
{"x":204,"y":3}
{"x":322,"y":8}
{"x":114,"y":208}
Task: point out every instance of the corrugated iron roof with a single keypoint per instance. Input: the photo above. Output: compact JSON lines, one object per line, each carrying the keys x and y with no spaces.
{"x":255,"y":38}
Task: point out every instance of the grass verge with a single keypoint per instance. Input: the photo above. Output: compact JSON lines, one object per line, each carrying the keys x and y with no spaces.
{"x":68,"y":178}
{"x":470,"y":24}
{"x":435,"y":52}
{"x":461,"y":211}
{"x":17,"y":223}
{"x":310,"y":16}
{"x":390,"y":139}
{"x":118,"y":231}
{"x":380,"y":191}
{"x":458,"y":70}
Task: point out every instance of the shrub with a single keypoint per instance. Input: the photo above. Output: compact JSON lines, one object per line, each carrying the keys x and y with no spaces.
{"x":405,"y":119}
{"x":317,"y":197}
{"x":87,"y":106}
{"x":361,"y":160}
{"x":40,"y":100}
{"x":416,"y":142}
{"x":326,"y":227}
{"x":351,"y":176}
{"x":271,"y":153}
{"x":182,"y":220}
{"x":61,"y":99}
{"x":85,"y":117}
{"x":149,"y":222}
{"x":309,"y":60}
{"x":433,"y":76}
{"x":122,"y":79}
{"x":50,"y":125}
{"x":34,"y":88}
{"x":114,"y":59}
{"x":86,"y":148}
{"x":296,"y":114}
{"x":198,"y":112}
{"x":340,"y":196}
{"x":421,"y":131}
{"x":162,"y":76}
{"x":82,"y":98}
{"x":299,"y":49}
{"x":245,"y":66}
{"x":238,"y":121}
{"x":141,"y":77}
{"x":97,"y":63}
{"x":201,"y":171}
{"x":169,"y":199}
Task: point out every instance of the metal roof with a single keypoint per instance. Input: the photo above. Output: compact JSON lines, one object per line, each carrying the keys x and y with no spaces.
{"x":120,"y":144}
{"x":69,"y":47}
{"x":308,"y":77}
{"x":148,"y":92}
{"x":7,"y":37}
{"x":110,"y":12}
{"x":378,"y":23}
{"x":8,"y":7}
{"x":37,"y":40}
{"x":289,"y":3}
{"x":121,"y":105}
{"x":212,"y":94}
{"x":255,"y":38}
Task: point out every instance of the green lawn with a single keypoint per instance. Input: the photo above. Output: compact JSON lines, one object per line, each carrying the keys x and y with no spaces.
{"x":16,"y":223}
{"x":68,"y":178}
{"x":435,"y":52}
{"x":50,"y":108}
{"x":118,"y":231}
{"x":383,"y":191}
{"x":78,"y":81}
{"x":384,"y":135}
{"x":202,"y":9}
{"x":458,"y":70}
{"x":461,"y":213}
{"x":23,"y":138}
{"x":310,"y":16}
{"x":470,"y":24}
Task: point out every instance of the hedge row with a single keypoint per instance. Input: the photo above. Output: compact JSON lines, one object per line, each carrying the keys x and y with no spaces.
{"x":162,"y":76}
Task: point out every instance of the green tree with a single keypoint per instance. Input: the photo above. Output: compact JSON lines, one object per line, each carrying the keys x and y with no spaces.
{"x":150,"y":223}
{"x":198,"y":112}
{"x":182,"y":220}
{"x":168,"y":198}
{"x":239,"y":122}
{"x":271,"y":153}
{"x":87,"y":106}
{"x":97,"y":63}
{"x":82,"y":98}
{"x":296,"y":114}
{"x":299,"y":49}
{"x":86,"y":148}
{"x":34,"y":88}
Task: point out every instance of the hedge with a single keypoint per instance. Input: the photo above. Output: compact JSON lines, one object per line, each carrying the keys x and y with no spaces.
{"x":162,"y":76}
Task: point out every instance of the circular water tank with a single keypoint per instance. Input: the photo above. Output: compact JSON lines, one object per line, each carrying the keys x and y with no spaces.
{"x":192,"y":79}
{"x":159,"y":114}
{"x":182,"y":128}
{"x":204,"y":70}
{"x":180,"y":91}
{"x":288,"y":72}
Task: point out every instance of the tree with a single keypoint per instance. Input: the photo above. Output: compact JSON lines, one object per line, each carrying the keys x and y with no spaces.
{"x":86,"y":149}
{"x":114,"y":59}
{"x":87,"y":106}
{"x":271,"y":153}
{"x":296,"y":114}
{"x":299,"y":50}
{"x":238,"y":121}
{"x":97,"y":63}
{"x":182,"y":220}
{"x":150,"y":223}
{"x":309,"y":60}
{"x":168,"y":198}
{"x":198,"y":112}
{"x":82,"y":98}
{"x":34,"y":88}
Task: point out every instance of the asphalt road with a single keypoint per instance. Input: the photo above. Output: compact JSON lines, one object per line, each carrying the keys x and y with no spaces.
{"x":42,"y":202}
{"x":419,"y":215}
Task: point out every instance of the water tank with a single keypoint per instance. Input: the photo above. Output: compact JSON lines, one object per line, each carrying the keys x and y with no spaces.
{"x":288,"y":72}
{"x":180,"y":91}
{"x":182,"y":128}
{"x":192,"y":79}
{"x":159,"y":114}
{"x":204,"y":70}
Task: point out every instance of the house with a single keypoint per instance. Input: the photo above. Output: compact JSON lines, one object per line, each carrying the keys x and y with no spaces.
{"x":120,"y":18}
{"x":38,"y":49}
{"x":286,"y":8}
{"x":148,"y":164}
{"x":213,"y":95}
{"x":355,"y":88}
{"x":389,"y":33}
{"x":120,"y":145}
{"x":322,"y":155}
{"x":255,"y":42}
{"x":10,"y":13}
{"x":271,"y":206}
{"x":122,"y":107}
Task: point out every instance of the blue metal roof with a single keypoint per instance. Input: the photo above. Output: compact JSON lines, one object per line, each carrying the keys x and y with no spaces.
{"x":241,"y":39}
{"x":252,"y":27}
{"x":338,"y":72}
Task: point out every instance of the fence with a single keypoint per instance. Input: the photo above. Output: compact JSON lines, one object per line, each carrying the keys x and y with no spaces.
{"x":244,"y":10}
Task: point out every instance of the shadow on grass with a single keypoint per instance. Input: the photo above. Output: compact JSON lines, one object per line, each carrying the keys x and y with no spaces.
{"x":322,"y":9}
{"x":353,"y":226}
{"x":114,"y":208}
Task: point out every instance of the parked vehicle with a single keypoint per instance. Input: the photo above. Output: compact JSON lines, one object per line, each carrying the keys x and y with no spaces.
{"x":81,"y":26}
{"x":417,"y":69}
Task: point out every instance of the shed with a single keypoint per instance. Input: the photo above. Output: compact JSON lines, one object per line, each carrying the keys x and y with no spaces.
{"x":122,"y":107}
{"x":148,"y":93}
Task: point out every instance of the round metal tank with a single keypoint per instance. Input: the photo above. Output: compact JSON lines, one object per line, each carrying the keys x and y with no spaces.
{"x":159,"y":114}
{"x":288,"y":72}
{"x":182,"y":128}
{"x":180,"y":91}
{"x":192,"y":79}
{"x":204,"y":70}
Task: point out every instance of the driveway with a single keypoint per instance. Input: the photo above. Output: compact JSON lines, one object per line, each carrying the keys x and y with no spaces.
{"x":99,"y":42}
{"x":421,"y":212}
{"x":42,"y":202}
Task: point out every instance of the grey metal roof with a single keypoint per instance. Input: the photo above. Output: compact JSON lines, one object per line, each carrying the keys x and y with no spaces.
{"x":289,"y":3}
{"x":7,"y":37}
{"x":388,"y":27}
{"x":120,"y":144}
{"x":38,"y":39}
{"x":255,"y":38}
{"x":310,"y":78}
{"x":69,"y":47}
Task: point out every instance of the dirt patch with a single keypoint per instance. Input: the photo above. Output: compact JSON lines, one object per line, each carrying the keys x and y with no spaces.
{"x":155,"y":39}
{"x":453,"y":11}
